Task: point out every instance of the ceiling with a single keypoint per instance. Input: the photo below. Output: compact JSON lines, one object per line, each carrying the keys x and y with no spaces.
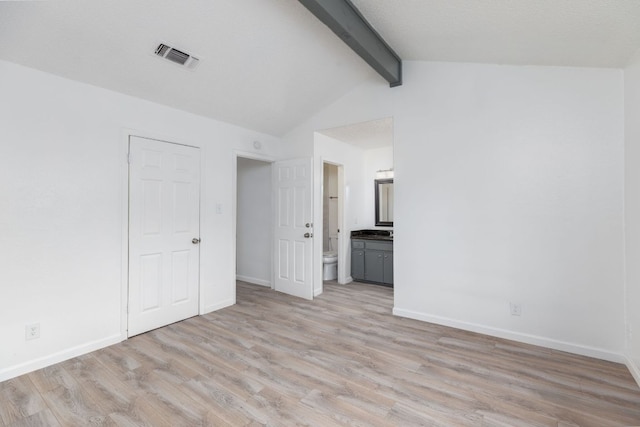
{"x":269,"y":64}
{"x":264,"y":64}
{"x":576,"y":33}
{"x":366,"y":135}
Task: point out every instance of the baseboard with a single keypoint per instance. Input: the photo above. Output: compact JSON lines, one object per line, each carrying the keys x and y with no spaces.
{"x":253,"y":280}
{"x":61,"y":356}
{"x":634,"y":369}
{"x":514,"y":336}
{"x":348,"y":280}
{"x":222,"y":304}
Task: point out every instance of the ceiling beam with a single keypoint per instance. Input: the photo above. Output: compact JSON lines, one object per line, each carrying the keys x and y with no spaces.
{"x":344,"y":19}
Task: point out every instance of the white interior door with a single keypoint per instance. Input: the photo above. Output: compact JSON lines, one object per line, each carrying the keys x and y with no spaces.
{"x":164,"y":232}
{"x":293,"y":260}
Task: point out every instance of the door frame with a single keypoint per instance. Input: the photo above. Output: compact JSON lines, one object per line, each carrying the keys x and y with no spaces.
{"x":234,"y":209}
{"x":125,"y":136}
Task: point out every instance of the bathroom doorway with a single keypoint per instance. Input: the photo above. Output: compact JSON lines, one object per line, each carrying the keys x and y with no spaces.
{"x":362,"y":151}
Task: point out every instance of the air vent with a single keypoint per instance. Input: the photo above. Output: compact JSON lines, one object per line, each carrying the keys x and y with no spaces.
{"x":177,"y":56}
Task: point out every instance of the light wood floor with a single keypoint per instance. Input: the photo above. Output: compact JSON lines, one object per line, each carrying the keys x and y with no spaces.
{"x":341,"y":359}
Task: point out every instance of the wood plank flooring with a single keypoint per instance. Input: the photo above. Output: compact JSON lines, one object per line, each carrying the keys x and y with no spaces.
{"x":341,"y":359}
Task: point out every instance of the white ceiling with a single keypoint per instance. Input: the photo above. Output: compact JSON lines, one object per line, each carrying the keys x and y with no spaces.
{"x":265,"y":64}
{"x":269,"y":64}
{"x":579,"y":33}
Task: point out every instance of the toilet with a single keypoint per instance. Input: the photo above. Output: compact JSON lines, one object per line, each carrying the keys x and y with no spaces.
{"x":329,"y":266}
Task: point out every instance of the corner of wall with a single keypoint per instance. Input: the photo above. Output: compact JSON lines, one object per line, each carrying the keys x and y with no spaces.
{"x":633,"y":368}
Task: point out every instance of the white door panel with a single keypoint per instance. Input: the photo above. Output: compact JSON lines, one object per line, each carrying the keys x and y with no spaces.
{"x":293,"y":260}
{"x":164,"y":218}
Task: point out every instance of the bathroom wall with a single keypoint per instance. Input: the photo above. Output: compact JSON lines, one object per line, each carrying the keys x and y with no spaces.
{"x":330,"y":208}
{"x":254,"y":222}
{"x":375,"y":159}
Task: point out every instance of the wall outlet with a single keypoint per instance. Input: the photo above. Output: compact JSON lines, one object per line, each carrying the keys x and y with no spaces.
{"x":32,"y":331}
{"x":516,"y":309}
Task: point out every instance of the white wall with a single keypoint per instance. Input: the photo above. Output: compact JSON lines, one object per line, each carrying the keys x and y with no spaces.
{"x":510,"y":179}
{"x":509,"y":188}
{"x":632,"y":212}
{"x":375,"y":159}
{"x":63,"y":169}
{"x":254,"y":222}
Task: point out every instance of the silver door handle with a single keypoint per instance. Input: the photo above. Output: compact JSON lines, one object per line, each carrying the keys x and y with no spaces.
{"x":195,"y":240}
{"x":307,"y":235}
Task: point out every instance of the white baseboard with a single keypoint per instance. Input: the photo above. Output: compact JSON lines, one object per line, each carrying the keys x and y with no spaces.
{"x":253,"y":280}
{"x":514,"y":336}
{"x":348,"y":280}
{"x":61,"y":356}
{"x":222,"y":304}
{"x":633,"y":368}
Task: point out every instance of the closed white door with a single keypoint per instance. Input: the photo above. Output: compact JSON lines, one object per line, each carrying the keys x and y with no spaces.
{"x":164,"y":232}
{"x":293,"y":261}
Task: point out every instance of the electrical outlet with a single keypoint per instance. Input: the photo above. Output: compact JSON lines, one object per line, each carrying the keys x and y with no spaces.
{"x":32,"y":331}
{"x":516,"y":309}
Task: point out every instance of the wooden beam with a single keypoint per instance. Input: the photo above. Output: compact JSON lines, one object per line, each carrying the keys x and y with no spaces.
{"x":344,"y":19}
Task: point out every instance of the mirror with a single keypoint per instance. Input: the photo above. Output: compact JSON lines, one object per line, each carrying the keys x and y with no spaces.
{"x":384,"y":202}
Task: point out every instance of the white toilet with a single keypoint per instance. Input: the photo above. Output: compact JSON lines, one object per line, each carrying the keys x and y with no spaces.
{"x":329,"y":266}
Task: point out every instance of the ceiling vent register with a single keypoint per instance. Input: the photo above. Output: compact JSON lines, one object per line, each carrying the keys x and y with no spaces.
{"x":177,"y":56}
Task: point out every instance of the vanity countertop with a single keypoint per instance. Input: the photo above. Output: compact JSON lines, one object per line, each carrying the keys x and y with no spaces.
{"x":372,"y":235}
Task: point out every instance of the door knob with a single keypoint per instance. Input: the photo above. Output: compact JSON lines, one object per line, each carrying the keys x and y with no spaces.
{"x":195,"y":240}
{"x":307,"y":235}
{"x":308,"y":225}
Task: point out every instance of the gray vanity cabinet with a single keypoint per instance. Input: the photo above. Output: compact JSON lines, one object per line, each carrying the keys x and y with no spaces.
{"x":374,"y":266}
{"x":357,"y":260}
{"x":372,"y":261}
{"x":387,"y":275}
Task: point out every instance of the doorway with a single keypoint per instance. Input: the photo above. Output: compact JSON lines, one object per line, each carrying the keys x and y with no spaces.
{"x":254,"y":221}
{"x":285,"y":219}
{"x":363,"y":151}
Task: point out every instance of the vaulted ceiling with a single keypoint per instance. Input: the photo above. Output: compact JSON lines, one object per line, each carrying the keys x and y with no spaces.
{"x":269,"y":64}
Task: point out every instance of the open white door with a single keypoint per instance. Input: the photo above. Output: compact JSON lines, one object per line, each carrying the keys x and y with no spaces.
{"x":164,"y":233}
{"x":293,"y":236}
